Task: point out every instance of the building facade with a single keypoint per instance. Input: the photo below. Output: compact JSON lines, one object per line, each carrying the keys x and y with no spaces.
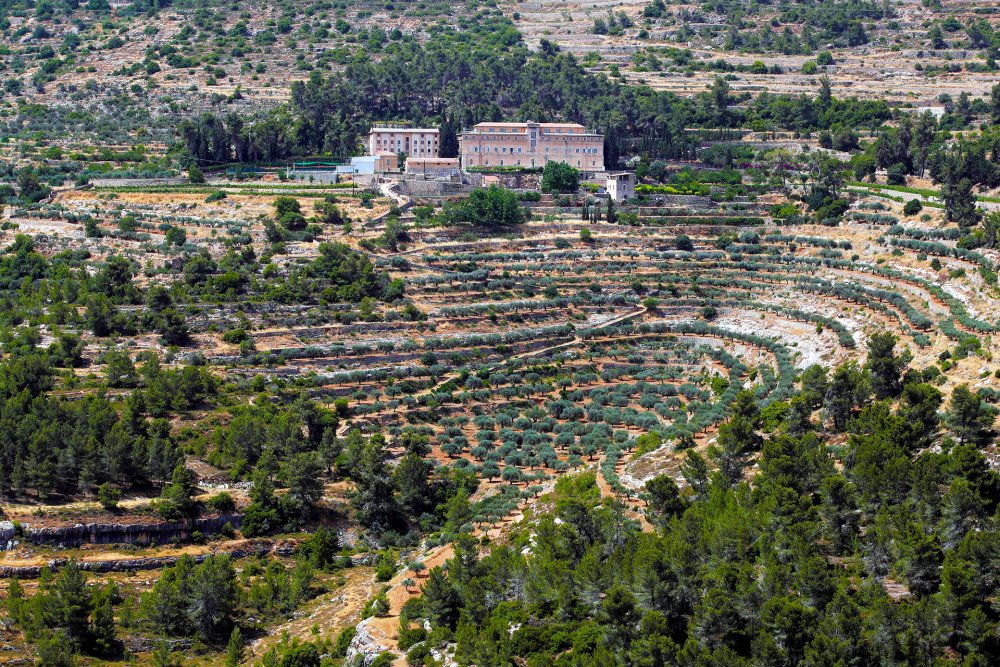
{"x":415,"y":142}
{"x":531,"y":145}
{"x":432,"y":167}
{"x":621,"y":186}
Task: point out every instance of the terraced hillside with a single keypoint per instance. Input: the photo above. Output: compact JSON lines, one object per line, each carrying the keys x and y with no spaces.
{"x":560,"y":345}
{"x":901,"y":53}
{"x":256,"y":412}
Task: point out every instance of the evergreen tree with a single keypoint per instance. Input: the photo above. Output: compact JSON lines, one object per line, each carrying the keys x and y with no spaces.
{"x":847,"y":390}
{"x":960,"y":202}
{"x":665,"y":501}
{"x":411,"y":478}
{"x":967,"y":417}
{"x":234,"y":649}
{"x":884,"y":366}
{"x":374,"y":499}
{"x":441,"y":599}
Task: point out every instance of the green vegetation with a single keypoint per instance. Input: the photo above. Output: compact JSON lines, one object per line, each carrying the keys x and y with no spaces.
{"x":490,"y":207}
{"x":245,"y":384}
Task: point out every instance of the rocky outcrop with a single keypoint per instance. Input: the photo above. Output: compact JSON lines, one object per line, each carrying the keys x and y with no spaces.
{"x":366,"y":645}
{"x":7,"y":534}
{"x":139,"y":534}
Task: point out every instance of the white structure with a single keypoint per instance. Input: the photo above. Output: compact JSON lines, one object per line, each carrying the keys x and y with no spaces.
{"x":621,"y":185}
{"x":374,"y":164}
{"x":936,"y":111}
{"x":414,"y":141}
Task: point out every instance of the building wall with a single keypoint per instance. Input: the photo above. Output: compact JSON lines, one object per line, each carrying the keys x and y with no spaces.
{"x":418,"y":142}
{"x":621,"y":187}
{"x":433,"y":167}
{"x":531,"y":145}
{"x":386,"y":162}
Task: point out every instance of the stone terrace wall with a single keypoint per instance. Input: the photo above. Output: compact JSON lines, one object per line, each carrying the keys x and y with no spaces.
{"x":141,"y":534}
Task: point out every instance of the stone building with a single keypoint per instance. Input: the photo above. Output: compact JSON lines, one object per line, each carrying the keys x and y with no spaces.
{"x":621,"y":185}
{"x":414,"y":141}
{"x":531,"y":145}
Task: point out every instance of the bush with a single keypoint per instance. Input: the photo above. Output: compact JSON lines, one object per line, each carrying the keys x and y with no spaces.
{"x":292,"y":221}
{"x":218,"y":195}
{"x":896,"y":174}
{"x":108,"y":496}
{"x":912,"y":207}
{"x":560,"y":177}
{"x":235,"y":336}
{"x":221,"y":503}
{"x":492,"y":207}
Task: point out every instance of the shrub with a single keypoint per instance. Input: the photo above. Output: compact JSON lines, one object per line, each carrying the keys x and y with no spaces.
{"x":108,"y":496}
{"x":560,"y":177}
{"x":912,"y":207}
{"x":221,"y":502}
{"x":235,"y":336}
{"x":195,"y":174}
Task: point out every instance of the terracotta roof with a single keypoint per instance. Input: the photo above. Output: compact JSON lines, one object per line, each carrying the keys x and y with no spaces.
{"x":405,"y":129}
{"x":526,"y":125}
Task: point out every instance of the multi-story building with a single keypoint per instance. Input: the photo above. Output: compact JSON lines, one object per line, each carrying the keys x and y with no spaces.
{"x":414,"y":141}
{"x":531,"y":145}
{"x":621,"y":185}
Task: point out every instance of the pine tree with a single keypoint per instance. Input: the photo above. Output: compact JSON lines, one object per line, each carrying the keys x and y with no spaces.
{"x":665,"y":500}
{"x":411,"y":478}
{"x":72,"y":603}
{"x":441,"y":599}
{"x":966,"y":417}
{"x":458,"y":512}
{"x":885,"y":367}
{"x":234,"y":649}
{"x":105,"y":642}
{"x":374,"y":500}
{"x":695,"y":471}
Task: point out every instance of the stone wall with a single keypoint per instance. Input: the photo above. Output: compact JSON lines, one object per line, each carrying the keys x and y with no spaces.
{"x":135,"y":182}
{"x":140,"y":534}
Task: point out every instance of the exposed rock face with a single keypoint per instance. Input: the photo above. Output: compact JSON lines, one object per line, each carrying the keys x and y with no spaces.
{"x":140,"y":534}
{"x":365,"y":646}
{"x":7,"y":535}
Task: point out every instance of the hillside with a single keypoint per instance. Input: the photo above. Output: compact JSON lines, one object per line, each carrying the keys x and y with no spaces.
{"x":678,"y":351}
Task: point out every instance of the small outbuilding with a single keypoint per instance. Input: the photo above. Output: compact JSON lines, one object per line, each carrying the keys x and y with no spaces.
{"x":375,"y":164}
{"x":621,"y":185}
{"x":432,"y":167}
